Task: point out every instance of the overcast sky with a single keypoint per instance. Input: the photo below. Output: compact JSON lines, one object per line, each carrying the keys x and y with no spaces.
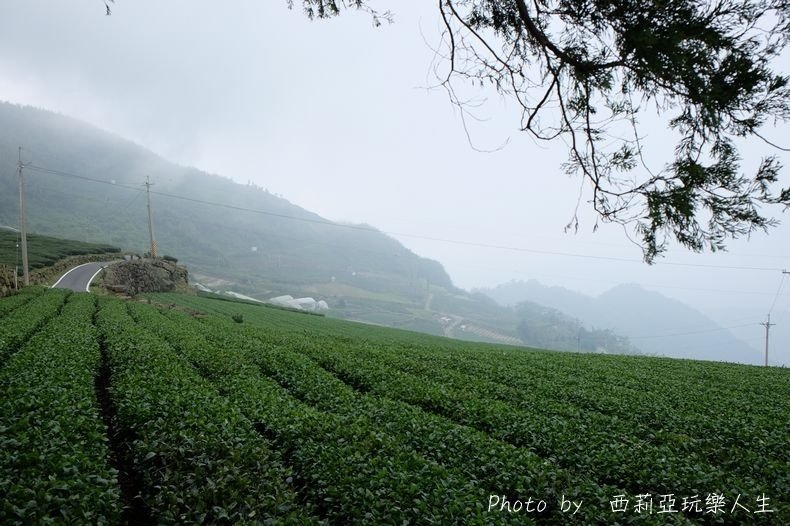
{"x":336,"y":116}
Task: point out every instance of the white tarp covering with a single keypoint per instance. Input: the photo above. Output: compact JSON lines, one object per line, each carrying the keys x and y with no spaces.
{"x":241,"y":296}
{"x":285,"y":301}
{"x":307,"y":303}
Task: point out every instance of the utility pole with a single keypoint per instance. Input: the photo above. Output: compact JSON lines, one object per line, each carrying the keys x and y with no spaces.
{"x":22,"y":227}
{"x":767,"y":326}
{"x":150,"y":221}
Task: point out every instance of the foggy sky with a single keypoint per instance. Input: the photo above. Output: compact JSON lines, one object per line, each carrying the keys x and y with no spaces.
{"x":337,"y":117}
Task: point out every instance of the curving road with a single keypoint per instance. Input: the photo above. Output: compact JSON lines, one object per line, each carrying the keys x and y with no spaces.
{"x":79,"y":278}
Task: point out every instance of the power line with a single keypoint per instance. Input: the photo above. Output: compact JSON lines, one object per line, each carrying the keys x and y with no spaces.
{"x":84,"y":178}
{"x":442,"y":240}
{"x":356,"y":248}
{"x":778,"y":291}
{"x":783,"y":312}
{"x":417,"y":236}
{"x":767,"y":326}
{"x":130,"y":202}
{"x":692,"y":332}
{"x":409,"y":235}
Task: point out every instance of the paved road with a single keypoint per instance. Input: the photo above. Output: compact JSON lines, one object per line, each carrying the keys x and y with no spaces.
{"x":79,"y":278}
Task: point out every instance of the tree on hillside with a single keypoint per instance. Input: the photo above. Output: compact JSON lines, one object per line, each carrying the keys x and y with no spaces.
{"x":583,"y":71}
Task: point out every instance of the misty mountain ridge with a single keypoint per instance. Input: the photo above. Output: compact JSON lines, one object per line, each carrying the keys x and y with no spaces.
{"x":259,"y":241}
{"x":256,"y":243}
{"x":654,"y":323}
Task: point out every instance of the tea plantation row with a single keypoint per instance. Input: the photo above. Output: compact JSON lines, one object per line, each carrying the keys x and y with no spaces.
{"x":193,"y":410}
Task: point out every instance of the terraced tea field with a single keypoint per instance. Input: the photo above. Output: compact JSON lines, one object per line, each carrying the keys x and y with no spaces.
{"x":44,"y":250}
{"x":194,"y":410}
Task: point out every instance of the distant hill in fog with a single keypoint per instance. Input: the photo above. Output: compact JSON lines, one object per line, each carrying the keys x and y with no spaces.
{"x":654,"y":323}
{"x":260,"y":245}
{"x":277,"y":248}
{"x":280,"y":250}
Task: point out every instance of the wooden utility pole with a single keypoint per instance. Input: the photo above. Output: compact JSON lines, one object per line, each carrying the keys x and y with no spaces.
{"x":22,"y":227}
{"x":150,"y":221}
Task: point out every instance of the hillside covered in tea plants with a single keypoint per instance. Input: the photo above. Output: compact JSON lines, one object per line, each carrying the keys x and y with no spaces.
{"x":191,"y":410}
